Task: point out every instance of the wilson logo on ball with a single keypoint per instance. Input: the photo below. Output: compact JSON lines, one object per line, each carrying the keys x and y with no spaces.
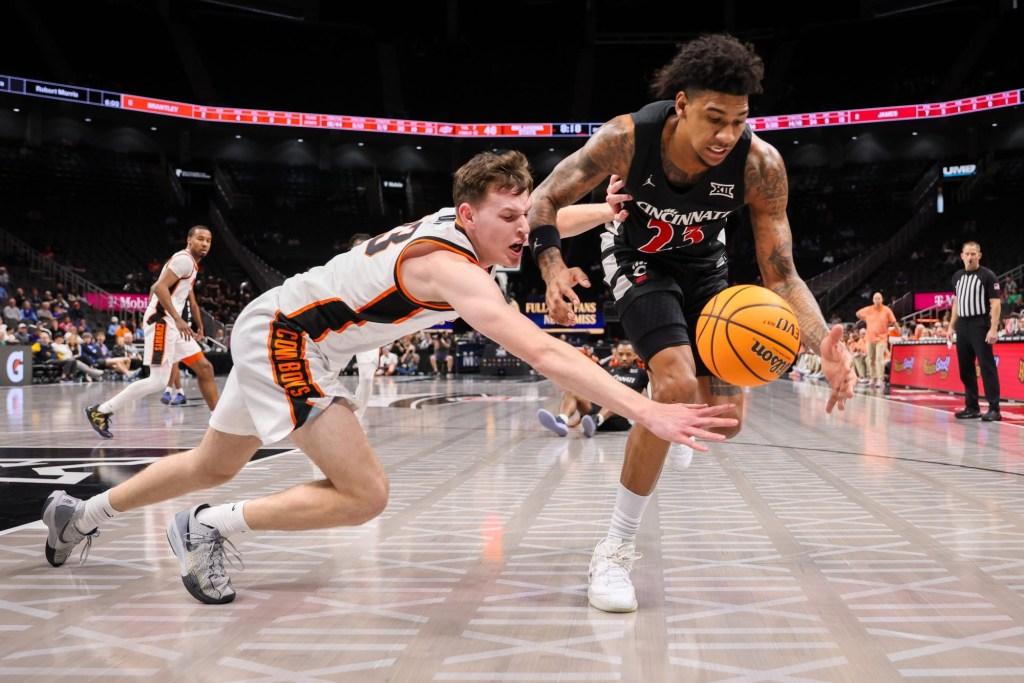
{"x":748,"y":335}
{"x":777,"y":364}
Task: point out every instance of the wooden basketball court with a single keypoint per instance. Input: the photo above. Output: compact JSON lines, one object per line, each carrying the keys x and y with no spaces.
{"x":884,"y":543}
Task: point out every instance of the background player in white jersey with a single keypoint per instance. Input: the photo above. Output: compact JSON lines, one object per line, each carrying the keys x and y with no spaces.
{"x":288,"y":346}
{"x":169,"y":338}
{"x":366,"y":361}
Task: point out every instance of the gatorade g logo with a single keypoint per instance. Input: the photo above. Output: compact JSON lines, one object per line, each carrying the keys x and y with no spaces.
{"x":776,"y":365}
{"x":16,"y":367}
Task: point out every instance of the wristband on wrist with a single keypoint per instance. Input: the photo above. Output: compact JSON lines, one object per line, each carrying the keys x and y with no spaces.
{"x":543,"y":237}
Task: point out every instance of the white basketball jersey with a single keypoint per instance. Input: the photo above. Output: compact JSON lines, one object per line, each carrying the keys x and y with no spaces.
{"x":356,"y":302}
{"x":185,"y":268}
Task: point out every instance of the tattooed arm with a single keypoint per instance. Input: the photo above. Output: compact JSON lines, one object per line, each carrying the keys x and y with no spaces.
{"x":608,"y":151}
{"x":767,"y":193}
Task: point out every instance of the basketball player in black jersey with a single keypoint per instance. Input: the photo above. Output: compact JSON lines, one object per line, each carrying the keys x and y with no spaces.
{"x":595,"y":418}
{"x":687,"y":162}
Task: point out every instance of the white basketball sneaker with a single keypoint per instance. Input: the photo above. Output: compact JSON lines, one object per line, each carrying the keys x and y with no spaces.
{"x":610,"y":588}
{"x":679,"y":456}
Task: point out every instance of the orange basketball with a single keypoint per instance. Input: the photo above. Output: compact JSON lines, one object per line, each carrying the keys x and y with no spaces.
{"x":748,"y":335}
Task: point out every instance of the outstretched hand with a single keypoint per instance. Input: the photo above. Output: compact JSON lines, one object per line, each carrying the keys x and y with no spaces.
{"x":616,"y":198}
{"x":676,"y":422}
{"x":560,"y":297}
{"x":837,"y":364}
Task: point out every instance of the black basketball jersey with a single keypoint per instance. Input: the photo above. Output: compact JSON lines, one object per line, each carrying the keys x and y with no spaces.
{"x":679,"y":227}
{"x":634,"y":377}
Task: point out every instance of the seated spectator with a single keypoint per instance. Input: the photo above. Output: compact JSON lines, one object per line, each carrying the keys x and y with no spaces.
{"x":76,"y":313}
{"x":44,"y":313}
{"x":220,"y":338}
{"x":12,"y":313}
{"x":64,"y":323}
{"x":123,"y":348}
{"x":442,"y":356}
{"x":1014,"y":303}
{"x":1009,"y":285}
{"x":133,"y":344}
{"x":95,"y":354}
{"x":408,"y":359}
{"x":858,"y":345}
{"x":807,"y":365}
{"x":22,"y":335}
{"x":6,"y":338}
{"x":28,"y":313}
{"x":70,"y":351}
{"x":387,"y":364}
{"x":112,"y":328}
{"x":43,"y":352}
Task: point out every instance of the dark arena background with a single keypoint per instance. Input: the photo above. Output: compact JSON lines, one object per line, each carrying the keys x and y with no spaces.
{"x":882,"y":542}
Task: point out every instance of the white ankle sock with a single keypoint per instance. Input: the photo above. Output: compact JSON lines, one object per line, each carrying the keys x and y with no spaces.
{"x":563,"y":418}
{"x":629,"y":511}
{"x":599,"y":419}
{"x":227,"y":518}
{"x":97,"y":510}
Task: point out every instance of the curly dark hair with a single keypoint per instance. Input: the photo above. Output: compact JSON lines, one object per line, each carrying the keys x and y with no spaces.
{"x":717,"y":61}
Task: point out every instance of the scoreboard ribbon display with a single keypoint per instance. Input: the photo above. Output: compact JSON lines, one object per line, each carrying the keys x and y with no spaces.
{"x":150,"y":105}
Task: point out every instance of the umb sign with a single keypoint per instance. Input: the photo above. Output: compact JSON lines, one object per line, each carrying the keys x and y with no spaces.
{"x":118,"y":302}
{"x":959,"y":171}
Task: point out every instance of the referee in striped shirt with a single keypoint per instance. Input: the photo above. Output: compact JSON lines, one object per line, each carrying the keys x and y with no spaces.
{"x":976,"y":321}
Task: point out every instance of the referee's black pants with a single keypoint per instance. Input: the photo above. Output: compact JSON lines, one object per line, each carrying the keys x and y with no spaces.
{"x":971,"y":345}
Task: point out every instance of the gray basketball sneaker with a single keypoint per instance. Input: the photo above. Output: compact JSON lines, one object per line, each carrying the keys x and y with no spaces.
{"x":200,"y":551}
{"x":60,"y":512}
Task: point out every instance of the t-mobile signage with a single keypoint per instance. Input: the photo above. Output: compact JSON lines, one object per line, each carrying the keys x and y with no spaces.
{"x":118,"y":302}
{"x":939,"y":300}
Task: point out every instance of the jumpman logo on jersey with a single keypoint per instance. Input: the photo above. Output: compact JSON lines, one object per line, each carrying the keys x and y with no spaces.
{"x":649,"y":181}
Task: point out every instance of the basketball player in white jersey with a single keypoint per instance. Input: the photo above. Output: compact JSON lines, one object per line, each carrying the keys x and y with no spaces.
{"x":169,"y":339}
{"x":289,"y":344}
